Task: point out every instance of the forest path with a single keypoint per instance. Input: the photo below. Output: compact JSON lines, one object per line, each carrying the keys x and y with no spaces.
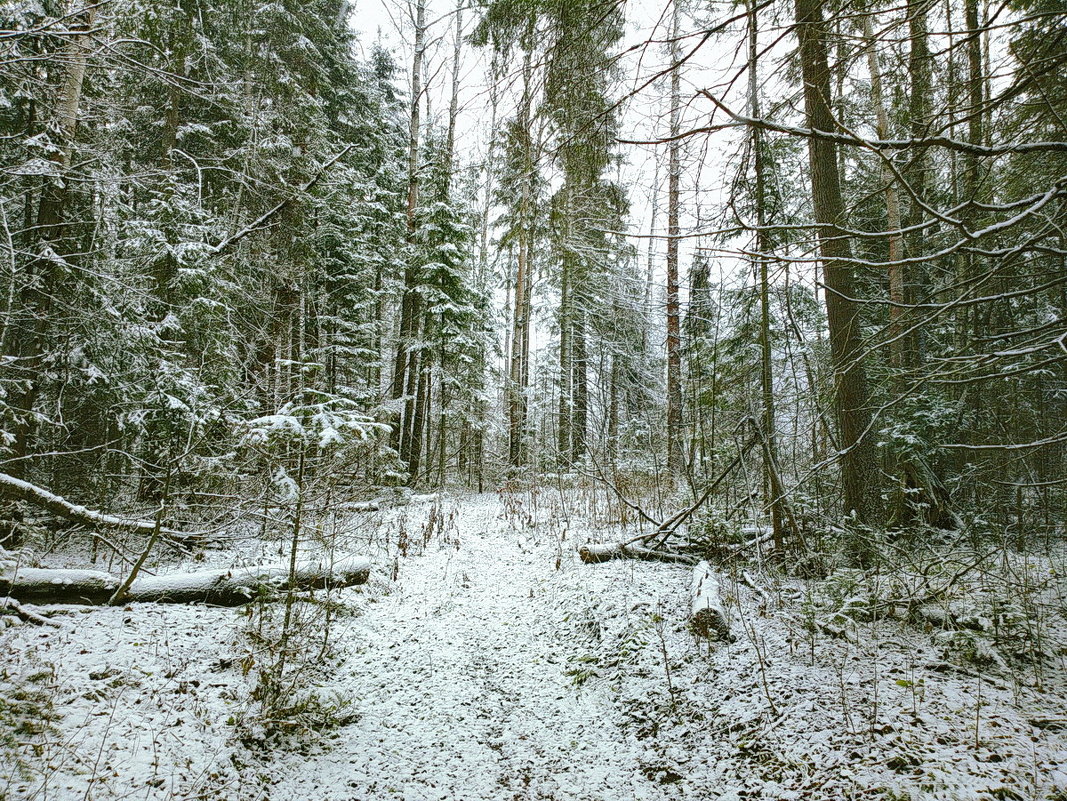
{"x":459,"y":679}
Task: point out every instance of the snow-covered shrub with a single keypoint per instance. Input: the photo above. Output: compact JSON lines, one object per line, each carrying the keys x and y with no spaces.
{"x":966,"y":645}
{"x":288,"y":651}
{"x":848,"y":594}
{"x":304,"y":449}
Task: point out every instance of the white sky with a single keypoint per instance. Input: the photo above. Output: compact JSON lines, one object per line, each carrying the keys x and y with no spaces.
{"x":706,"y":161}
{"x":391,"y":22}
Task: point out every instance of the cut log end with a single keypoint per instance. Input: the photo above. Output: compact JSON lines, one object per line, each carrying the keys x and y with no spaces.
{"x":595,"y":554}
{"x":708,"y":624}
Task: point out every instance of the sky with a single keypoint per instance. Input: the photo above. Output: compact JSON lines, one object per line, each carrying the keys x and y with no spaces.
{"x":707,"y":162}
{"x":644,"y":117}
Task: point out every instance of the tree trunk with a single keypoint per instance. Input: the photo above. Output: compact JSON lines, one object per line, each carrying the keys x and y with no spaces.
{"x":773,"y":490}
{"x":222,"y":587}
{"x":975,"y":99}
{"x":859,"y":469}
{"x":407,"y":364}
{"x":580,"y":386}
{"x":563,"y":431}
{"x":419,"y":419}
{"x":32,"y":328}
{"x":915,"y":172}
{"x":892,"y":207}
{"x":707,"y":615}
{"x":453,"y":100}
{"x":675,"y":449}
{"x":519,"y":367}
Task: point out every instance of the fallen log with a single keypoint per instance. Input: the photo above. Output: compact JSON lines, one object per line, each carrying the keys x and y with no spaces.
{"x":361,"y":506}
{"x":595,"y":554}
{"x":46,"y":585}
{"x":19,"y":490}
{"x":26,"y":615}
{"x":221,"y":587}
{"x":707,"y":615}
{"x":760,"y":536}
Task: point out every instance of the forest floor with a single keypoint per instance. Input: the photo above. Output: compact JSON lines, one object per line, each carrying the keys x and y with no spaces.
{"x":484,"y":662}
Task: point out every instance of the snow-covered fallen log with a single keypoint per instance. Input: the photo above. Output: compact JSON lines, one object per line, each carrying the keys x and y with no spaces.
{"x":707,"y":615}
{"x":47,"y":585}
{"x":361,"y":506}
{"x":9,"y":604}
{"x":223,"y":587}
{"x":755,"y":537}
{"x":593,"y":554}
{"x":19,"y":490}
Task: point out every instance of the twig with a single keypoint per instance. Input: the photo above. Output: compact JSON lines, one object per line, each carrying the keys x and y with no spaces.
{"x":750,"y":582}
{"x":669,"y":526}
{"x":124,"y":587}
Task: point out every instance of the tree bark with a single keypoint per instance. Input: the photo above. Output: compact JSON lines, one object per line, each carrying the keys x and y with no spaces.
{"x":892,"y":206}
{"x":774,"y":492}
{"x":519,"y":367}
{"x":408,"y":362}
{"x":580,"y":360}
{"x":222,"y":587}
{"x":675,"y":449}
{"x":32,"y":328}
{"x":566,"y":407}
{"x":707,"y":615}
{"x":859,"y":469}
{"x":915,"y":171}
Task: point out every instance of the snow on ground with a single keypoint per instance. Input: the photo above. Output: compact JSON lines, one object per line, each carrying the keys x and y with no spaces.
{"x":489,"y":664}
{"x":459,"y":676}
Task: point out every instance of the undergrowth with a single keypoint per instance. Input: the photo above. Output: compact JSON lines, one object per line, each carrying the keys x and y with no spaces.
{"x":27,"y":716}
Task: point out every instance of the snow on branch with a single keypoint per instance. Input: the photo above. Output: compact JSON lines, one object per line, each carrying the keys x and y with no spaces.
{"x":17,"y":489}
{"x":230,"y":241}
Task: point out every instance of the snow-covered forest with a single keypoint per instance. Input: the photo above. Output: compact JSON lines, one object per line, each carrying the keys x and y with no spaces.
{"x":533,"y":399}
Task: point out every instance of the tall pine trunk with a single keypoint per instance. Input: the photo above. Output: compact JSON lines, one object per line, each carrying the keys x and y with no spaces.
{"x":519,"y":366}
{"x":675,"y":449}
{"x":859,"y":468}
{"x":774,"y":491}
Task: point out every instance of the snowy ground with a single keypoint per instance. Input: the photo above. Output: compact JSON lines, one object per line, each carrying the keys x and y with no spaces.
{"x":489,"y":665}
